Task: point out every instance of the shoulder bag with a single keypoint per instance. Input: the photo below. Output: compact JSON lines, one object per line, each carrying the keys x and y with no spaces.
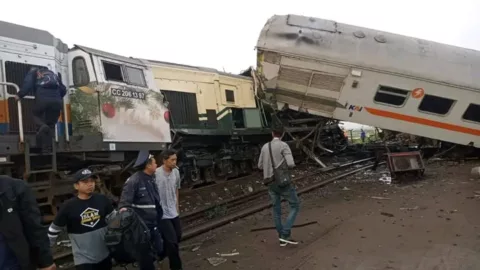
{"x":281,"y":175}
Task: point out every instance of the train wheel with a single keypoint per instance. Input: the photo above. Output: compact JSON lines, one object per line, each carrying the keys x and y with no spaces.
{"x":209,"y":175}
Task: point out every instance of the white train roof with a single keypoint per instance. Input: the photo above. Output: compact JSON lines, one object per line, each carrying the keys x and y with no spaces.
{"x":29,"y":34}
{"x":193,"y":68}
{"x":112,"y":56}
{"x":371,"y":49}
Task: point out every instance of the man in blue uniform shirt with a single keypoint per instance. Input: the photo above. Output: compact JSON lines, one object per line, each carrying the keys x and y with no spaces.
{"x":141,"y":194}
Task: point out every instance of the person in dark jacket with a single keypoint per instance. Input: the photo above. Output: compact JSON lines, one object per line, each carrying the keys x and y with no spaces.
{"x":141,"y":194}
{"x":48,"y":89}
{"x":24,"y":244}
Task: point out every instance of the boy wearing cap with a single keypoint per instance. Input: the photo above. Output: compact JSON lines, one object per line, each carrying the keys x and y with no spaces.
{"x":84,"y":217}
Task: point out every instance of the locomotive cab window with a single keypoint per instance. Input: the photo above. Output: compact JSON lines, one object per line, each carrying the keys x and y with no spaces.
{"x":113,"y":72}
{"x":391,"y":96}
{"x":80,"y":71}
{"x":435,"y":104}
{"x":230,"y":96}
{"x":135,"y":76}
{"x":472,"y":113}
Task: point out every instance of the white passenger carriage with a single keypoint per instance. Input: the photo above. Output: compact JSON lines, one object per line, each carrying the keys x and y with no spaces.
{"x":371,"y":77}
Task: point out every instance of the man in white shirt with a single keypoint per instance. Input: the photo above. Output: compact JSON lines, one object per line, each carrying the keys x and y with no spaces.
{"x":282,"y":155}
{"x":167,"y":178}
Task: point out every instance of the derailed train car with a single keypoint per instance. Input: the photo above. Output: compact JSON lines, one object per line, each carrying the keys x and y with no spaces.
{"x":112,"y":110}
{"x":219,"y":126}
{"x":366,"y":76}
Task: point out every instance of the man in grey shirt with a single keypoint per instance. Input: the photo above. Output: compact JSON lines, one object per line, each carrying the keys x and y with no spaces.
{"x":167,"y":178}
{"x":281,"y":153}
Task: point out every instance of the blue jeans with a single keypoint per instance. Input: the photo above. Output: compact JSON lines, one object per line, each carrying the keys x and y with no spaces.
{"x":290,"y":194}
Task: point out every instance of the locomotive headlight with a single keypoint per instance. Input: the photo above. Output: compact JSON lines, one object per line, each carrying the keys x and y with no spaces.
{"x":166,"y":116}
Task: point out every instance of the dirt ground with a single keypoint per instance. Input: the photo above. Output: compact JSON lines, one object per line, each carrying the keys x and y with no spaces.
{"x":427,"y":224}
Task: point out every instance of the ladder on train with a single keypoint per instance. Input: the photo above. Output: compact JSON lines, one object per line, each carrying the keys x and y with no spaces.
{"x":24,"y":145}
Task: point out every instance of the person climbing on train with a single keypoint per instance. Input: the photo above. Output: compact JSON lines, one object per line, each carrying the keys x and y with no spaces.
{"x":140,"y":193}
{"x":85,"y":218}
{"x":23,"y":239}
{"x":48,"y":89}
{"x":275,"y":160}
{"x":167,"y":178}
{"x":362,"y":135}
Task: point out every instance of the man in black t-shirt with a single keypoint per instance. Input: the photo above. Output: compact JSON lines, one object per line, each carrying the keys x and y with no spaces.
{"x":84,"y":217}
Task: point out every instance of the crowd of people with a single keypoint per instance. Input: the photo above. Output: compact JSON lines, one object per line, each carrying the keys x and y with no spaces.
{"x":152,"y":193}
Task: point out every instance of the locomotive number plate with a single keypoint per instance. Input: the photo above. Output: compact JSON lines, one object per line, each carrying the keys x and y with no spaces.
{"x":127,"y":93}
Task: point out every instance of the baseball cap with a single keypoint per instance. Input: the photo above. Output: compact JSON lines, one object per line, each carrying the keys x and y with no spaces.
{"x":83,"y":174}
{"x":142,"y":158}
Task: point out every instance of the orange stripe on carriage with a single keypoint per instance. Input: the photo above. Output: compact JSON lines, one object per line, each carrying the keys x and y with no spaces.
{"x":4,"y":117}
{"x":424,"y":121}
{"x":69,"y":115}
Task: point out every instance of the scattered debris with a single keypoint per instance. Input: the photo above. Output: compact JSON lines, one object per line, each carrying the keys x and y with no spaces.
{"x":475,"y":172}
{"x":234,"y":253}
{"x":194,"y":247}
{"x":409,"y":208}
{"x":379,"y":198}
{"x":216,"y":261}
{"x":386,"y":214}
{"x":64,"y":243}
{"x":345,"y":188}
{"x":385,"y":179}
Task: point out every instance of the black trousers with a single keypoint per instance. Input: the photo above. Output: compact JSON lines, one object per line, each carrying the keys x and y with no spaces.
{"x":103,"y":265}
{"x":148,"y":257}
{"x":172,"y":234}
{"x":45,"y":116}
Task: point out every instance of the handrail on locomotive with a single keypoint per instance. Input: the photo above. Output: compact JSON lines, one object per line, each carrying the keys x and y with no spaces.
{"x":20,"y":115}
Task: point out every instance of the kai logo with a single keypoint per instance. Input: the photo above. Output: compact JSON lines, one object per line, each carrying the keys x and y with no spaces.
{"x":352,"y":107}
{"x":90,"y":217}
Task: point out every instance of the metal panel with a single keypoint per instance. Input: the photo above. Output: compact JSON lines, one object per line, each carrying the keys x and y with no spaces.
{"x":252,"y":118}
{"x":183,"y":107}
{"x":212,"y":118}
{"x":15,"y":73}
{"x":294,"y":76}
{"x":312,"y":23}
{"x":329,"y":82}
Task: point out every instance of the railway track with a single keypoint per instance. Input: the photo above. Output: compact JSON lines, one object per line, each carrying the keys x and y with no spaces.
{"x":200,"y":221}
{"x":228,"y":205}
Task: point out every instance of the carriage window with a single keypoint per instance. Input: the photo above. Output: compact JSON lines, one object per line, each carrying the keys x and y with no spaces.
{"x":472,"y":113}
{"x":113,"y":72}
{"x":391,"y":96}
{"x":229,"y":95}
{"x":437,"y":105}
{"x":135,"y":76}
{"x":80,"y":72}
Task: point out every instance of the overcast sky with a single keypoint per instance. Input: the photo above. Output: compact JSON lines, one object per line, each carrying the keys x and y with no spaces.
{"x":223,"y":34}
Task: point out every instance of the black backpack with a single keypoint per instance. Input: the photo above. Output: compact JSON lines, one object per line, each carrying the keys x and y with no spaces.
{"x":127,"y":237}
